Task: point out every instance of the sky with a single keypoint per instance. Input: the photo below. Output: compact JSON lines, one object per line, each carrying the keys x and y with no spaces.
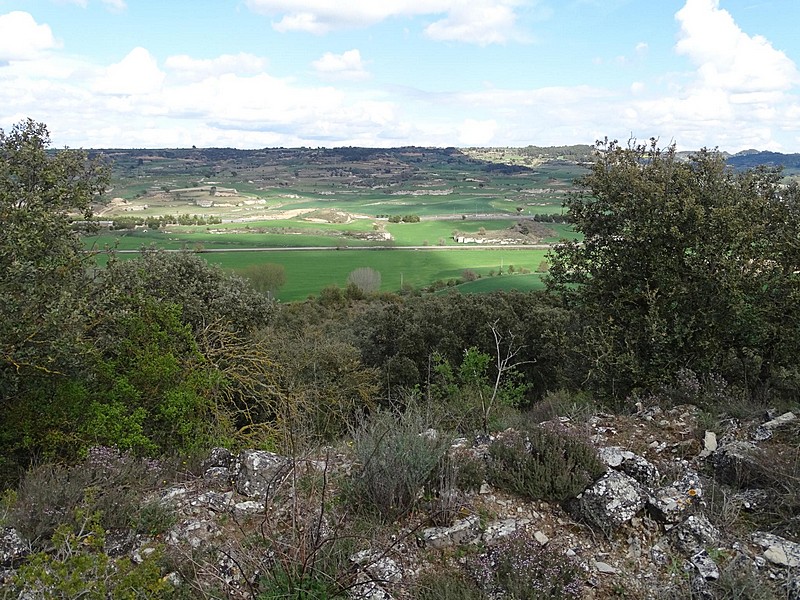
{"x":385,"y":73}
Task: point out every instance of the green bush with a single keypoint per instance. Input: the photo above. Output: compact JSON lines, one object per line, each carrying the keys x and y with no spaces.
{"x":470,"y":471}
{"x":396,"y":459}
{"x":542,"y":464}
{"x":577,"y":406}
{"x":77,"y":567}
{"x":154,"y":518}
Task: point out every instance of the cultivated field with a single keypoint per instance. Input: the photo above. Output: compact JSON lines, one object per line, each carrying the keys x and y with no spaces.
{"x":478,"y":209}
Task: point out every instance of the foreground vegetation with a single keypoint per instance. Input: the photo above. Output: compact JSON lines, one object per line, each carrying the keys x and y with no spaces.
{"x":685,"y":288}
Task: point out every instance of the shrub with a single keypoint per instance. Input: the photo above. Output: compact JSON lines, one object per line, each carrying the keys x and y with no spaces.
{"x":446,"y":502}
{"x":775,"y":469}
{"x":108,"y":483}
{"x":469,"y":275}
{"x":154,"y":518}
{"x":78,"y":567}
{"x":519,"y":567}
{"x":266,"y":278}
{"x":294,"y":584}
{"x":446,"y":585}
{"x":470,"y":471}
{"x":307,"y":548}
{"x":542,"y":464}
{"x":577,"y":406}
{"x":739,"y":581}
{"x":396,"y":459}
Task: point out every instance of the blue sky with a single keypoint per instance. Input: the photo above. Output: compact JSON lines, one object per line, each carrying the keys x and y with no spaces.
{"x":258,"y":73}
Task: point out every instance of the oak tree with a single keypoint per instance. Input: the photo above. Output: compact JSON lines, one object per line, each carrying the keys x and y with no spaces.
{"x":684,"y":264}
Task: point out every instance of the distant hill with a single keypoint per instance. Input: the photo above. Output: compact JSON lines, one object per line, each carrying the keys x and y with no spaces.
{"x":748,"y":159}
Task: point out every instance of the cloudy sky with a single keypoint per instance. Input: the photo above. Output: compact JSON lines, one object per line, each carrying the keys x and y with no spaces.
{"x":258,"y":73}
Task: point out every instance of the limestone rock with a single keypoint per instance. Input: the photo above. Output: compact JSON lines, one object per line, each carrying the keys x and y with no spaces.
{"x":248,"y":508}
{"x":461,"y":532}
{"x":629,"y":463}
{"x":12,"y":547}
{"x":611,"y":501}
{"x":218,"y":457}
{"x":733,"y":460}
{"x":214,"y":501}
{"x":706,"y":567}
{"x":380,"y":568}
{"x":367,"y":589}
{"x":541,"y":537}
{"x":669,"y":504}
{"x":605,"y":568}
{"x":765,"y":430}
{"x":194,"y":533}
{"x":709,"y":444}
{"x":218,"y":478}
{"x":257,"y":472}
{"x":694,"y":534}
{"x":499,"y":530}
{"x":777,"y":550}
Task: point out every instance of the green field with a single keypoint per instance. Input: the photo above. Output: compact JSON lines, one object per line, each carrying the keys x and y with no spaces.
{"x":337,"y":200}
{"x":308,"y":271}
{"x":522,"y":283}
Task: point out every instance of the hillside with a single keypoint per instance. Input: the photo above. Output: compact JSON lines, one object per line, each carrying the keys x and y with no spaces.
{"x":622,"y":425}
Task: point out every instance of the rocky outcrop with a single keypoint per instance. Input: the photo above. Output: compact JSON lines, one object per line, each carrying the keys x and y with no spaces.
{"x":652,"y":515}
{"x":612,"y":501}
{"x":12,"y":547}
{"x":256,"y":473}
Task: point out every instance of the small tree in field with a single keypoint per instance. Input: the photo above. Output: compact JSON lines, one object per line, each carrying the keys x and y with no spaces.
{"x":366,"y":279}
{"x":266,"y":278}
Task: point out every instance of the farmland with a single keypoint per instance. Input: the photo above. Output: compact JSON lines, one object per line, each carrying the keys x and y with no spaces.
{"x":420,"y":216}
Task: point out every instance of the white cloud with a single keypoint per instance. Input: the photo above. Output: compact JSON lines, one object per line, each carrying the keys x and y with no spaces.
{"x":185,"y":67}
{"x":116,"y":4}
{"x":477,"y":133}
{"x":22,"y":38}
{"x":232,"y":100}
{"x":737,"y":96}
{"x":307,"y":22}
{"x":477,"y":22}
{"x":137,"y":73}
{"x":472,"y":21}
{"x":345,"y":66}
{"x":728,"y":58}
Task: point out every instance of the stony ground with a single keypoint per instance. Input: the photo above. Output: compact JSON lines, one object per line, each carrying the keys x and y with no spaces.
{"x":672,"y":518}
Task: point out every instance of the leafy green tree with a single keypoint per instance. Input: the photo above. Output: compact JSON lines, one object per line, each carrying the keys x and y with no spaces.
{"x":42,"y":263}
{"x":684,"y":265}
{"x":206,"y":294}
{"x":43,"y":283}
{"x":402,"y":337}
{"x":475,"y":388}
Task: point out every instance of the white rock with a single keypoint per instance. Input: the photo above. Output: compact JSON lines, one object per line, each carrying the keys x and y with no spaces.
{"x":605,"y":568}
